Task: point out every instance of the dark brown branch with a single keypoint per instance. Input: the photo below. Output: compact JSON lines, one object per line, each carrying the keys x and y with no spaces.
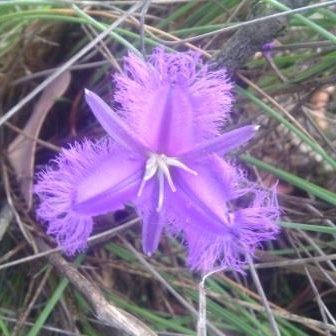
{"x":249,"y":39}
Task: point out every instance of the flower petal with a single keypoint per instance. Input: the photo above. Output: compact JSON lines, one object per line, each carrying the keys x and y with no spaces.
{"x":210,"y":90}
{"x":212,"y":98}
{"x":152,"y":220}
{"x":113,"y":124}
{"x":157,"y":108}
{"x":256,"y":222}
{"x":208,"y":191}
{"x":55,"y":188}
{"x":169,"y":93}
{"x":86,"y":180}
{"x":109,"y":186}
{"x":171,"y":111}
{"x":221,"y":144}
{"x":250,"y":227}
{"x":207,"y":251}
{"x":216,"y":232}
{"x":109,"y":177}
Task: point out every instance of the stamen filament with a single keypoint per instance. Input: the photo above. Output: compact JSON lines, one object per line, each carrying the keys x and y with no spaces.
{"x":161,"y":191}
{"x":171,"y":161}
{"x":166,"y":172}
{"x":150,"y":170}
{"x":159,"y":164}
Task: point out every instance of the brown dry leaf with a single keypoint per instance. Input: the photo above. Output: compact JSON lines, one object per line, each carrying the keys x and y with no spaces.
{"x":21,"y":150}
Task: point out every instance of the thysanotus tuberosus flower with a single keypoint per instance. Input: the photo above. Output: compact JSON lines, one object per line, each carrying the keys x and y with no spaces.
{"x":163,"y":154}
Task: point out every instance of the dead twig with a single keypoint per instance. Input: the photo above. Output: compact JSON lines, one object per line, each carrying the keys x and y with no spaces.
{"x":105,"y":310}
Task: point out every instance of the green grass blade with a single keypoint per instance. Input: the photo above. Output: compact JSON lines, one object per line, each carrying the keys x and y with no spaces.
{"x":56,"y":296}
{"x":299,"y":182}
{"x":301,"y":135}
{"x":308,"y":227}
{"x":35,"y":330}
{"x":309,"y":23}
{"x":3,"y":328}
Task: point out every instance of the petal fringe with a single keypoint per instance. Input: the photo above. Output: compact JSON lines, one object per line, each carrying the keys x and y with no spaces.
{"x":250,"y":227}
{"x":69,"y":178}
{"x":55,"y":189}
{"x":206,"y":95}
{"x":217,"y":232}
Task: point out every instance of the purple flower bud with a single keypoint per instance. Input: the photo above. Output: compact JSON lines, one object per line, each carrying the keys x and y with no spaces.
{"x":267,"y":49}
{"x":163,"y":154}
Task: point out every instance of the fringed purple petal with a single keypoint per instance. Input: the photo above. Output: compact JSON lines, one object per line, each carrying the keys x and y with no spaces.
{"x":168,"y":110}
{"x":256,"y":222}
{"x":86,"y":180}
{"x":112,"y":180}
{"x":55,"y":188}
{"x":212,"y":99}
{"x":201,"y":202}
{"x":216,"y":232}
{"x":170,"y":117}
{"x":208,"y":251}
{"x":169,"y":93}
{"x":249,"y":228}
{"x":159,"y":107}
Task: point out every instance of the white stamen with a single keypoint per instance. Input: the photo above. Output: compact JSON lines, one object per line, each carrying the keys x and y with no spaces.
{"x":159,"y":164}
{"x":164,"y":168}
{"x":171,"y":161}
{"x":161,"y":191}
{"x":151,"y":167}
{"x":150,"y":170}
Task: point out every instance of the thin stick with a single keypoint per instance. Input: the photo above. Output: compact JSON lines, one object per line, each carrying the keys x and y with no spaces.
{"x":269,"y":313}
{"x":143,"y":12}
{"x":202,"y":319}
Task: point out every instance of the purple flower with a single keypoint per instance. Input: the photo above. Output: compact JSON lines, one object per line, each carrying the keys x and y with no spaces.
{"x":267,"y":49}
{"x":163,"y":155}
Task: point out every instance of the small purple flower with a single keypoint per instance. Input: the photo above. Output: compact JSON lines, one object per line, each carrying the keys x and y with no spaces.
{"x":163,"y":155}
{"x":267,"y":49}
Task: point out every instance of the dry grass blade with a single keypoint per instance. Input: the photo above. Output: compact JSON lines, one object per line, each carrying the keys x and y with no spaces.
{"x":297,"y":265}
{"x":269,"y":313}
{"x":6,"y":215}
{"x":315,"y":325}
{"x":22,"y":148}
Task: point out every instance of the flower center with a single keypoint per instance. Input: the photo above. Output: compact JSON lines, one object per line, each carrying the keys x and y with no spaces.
{"x":159,"y":164}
